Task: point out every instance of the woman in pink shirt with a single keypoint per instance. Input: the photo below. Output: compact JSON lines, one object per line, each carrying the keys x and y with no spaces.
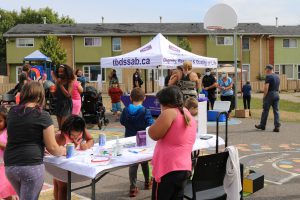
{"x":76,"y":98}
{"x":175,"y":133}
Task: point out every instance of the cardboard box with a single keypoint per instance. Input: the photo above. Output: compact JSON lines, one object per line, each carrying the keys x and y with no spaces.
{"x":242,"y":113}
{"x":253,"y":182}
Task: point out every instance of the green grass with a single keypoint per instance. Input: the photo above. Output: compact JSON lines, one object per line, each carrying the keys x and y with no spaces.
{"x":284,"y":105}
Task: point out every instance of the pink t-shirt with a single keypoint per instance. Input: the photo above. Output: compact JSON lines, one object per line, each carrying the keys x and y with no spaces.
{"x":75,"y":91}
{"x":173,"y":151}
{"x":3,"y":139}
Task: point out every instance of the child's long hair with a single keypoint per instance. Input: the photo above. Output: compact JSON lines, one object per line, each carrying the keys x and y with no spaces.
{"x":3,"y":113}
{"x":69,"y":75}
{"x":74,"y":123}
{"x":172,"y":97}
{"x":32,"y":92}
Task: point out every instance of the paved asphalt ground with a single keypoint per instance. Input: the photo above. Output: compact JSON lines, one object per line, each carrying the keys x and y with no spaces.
{"x":276,"y":155}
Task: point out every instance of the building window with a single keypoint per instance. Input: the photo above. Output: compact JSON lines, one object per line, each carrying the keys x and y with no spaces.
{"x":116,"y":44}
{"x":288,"y":70}
{"x":298,"y":72}
{"x":92,"y":41}
{"x":246,"y":43}
{"x":224,"y":40}
{"x":18,"y":72}
{"x":25,"y":42}
{"x":277,"y":69}
{"x":157,"y":74}
{"x":91,"y":72}
{"x":289,"y":43}
{"x":246,"y":74}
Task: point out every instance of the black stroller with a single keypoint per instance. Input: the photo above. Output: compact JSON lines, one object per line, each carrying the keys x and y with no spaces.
{"x":92,"y":107}
{"x":9,"y":99}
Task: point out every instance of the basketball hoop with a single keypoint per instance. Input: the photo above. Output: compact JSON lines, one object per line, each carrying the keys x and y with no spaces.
{"x":220,"y":16}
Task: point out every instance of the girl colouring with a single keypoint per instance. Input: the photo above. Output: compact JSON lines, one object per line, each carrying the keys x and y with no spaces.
{"x":73,"y":131}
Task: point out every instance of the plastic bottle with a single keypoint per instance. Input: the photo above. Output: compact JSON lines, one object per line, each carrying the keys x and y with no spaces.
{"x":118,"y":148}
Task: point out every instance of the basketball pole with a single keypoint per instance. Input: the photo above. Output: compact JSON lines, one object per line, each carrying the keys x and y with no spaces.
{"x":235,"y":68}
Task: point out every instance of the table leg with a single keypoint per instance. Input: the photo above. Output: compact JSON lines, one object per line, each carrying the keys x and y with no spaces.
{"x":69,"y":186}
{"x":93,"y":189}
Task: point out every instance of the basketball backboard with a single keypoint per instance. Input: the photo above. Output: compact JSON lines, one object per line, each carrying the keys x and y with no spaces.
{"x":220,"y":16}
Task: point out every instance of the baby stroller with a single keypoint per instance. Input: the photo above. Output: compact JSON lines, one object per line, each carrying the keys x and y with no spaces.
{"x":92,"y":107}
{"x":9,"y":99}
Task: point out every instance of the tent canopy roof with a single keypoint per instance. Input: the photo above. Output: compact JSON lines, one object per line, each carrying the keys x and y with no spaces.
{"x":158,"y":52}
{"x":37,"y":56}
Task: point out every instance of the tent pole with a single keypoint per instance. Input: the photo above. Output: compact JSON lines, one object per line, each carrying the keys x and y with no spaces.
{"x":145,"y":75}
{"x":152,"y":80}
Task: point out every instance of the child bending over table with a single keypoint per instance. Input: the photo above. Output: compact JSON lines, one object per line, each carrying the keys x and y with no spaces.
{"x":175,"y":133}
{"x":73,"y":131}
{"x":136,"y":118}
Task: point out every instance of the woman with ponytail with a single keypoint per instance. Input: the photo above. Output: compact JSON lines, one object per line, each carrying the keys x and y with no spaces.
{"x":175,"y":133}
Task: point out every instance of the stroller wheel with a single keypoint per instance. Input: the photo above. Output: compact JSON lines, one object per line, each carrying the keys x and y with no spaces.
{"x":100,"y":124}
{"x":106,"y":121}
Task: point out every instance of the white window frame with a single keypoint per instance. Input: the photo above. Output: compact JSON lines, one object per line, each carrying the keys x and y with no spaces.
{"x":18,"y":72}
{"x":275,"y":70}
{"x":289,"y":43}
{"x":243,"y":44}
{"x":25,"y":44}
{"x":93,"y":45}
{"x":285,"y":73}
{"x":226,"y":38}
{"x":249,"y":72}
{"x":113,"y":45}
{"x":298,"y":68}
{"x":89,"y":72}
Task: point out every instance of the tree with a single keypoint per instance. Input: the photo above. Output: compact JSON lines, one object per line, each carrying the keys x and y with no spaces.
{"x":51,"y":47}
{"x":185,"y":44}
{"x":9,"y":19}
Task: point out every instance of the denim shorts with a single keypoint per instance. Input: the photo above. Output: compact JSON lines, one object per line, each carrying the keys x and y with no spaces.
{"x":116,"y":107}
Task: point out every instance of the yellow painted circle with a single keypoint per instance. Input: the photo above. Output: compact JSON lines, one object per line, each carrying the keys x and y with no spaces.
{"x":286,"y":166}
{"x":297,"y":161}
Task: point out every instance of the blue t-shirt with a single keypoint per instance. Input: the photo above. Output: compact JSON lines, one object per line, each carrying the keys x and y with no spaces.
{"x":225,"y":84}
{"x":246,"y":90}
{"x":273,"y":81}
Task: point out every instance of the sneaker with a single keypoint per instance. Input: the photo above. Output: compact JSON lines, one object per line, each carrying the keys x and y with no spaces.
{"x":133,"y":192}
{"x":148,"y":185}
{"x":276,"y":129}
{"x":260,"y":127}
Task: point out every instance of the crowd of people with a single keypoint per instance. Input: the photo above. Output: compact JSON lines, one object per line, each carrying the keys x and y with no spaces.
{"x":172,"y":165}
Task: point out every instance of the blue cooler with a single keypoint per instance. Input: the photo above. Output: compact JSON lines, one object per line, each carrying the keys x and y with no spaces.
{"x":212,"y":116}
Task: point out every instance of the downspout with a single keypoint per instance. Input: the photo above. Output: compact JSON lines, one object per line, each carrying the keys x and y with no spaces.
{"x":73,"y":53}
{"x":260,"y":54}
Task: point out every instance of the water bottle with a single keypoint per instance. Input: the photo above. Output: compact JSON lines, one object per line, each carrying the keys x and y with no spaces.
{"x":117,"y":148}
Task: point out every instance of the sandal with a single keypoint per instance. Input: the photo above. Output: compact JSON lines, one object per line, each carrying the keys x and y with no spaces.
{"x":133,"y":192}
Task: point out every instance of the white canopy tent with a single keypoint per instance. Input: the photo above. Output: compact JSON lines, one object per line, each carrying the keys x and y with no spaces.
{"x":158,"y":52}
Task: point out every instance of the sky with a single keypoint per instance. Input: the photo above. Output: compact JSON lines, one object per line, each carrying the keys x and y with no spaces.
{"x":172,"y":11}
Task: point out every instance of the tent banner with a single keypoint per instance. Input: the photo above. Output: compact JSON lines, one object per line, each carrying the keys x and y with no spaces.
{"x":158,"y":52}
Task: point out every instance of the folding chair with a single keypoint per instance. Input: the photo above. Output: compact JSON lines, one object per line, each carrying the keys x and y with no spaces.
{"x":209,"y":173}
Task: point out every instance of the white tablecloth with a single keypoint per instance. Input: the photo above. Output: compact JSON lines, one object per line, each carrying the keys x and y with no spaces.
{"x":83,"y":169}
